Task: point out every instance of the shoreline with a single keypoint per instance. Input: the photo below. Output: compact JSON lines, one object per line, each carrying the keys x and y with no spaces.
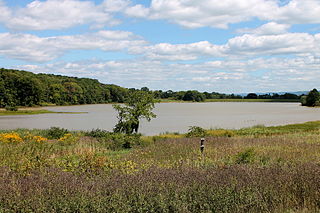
{"x":21,"y":108}
{"x":33,"y":111}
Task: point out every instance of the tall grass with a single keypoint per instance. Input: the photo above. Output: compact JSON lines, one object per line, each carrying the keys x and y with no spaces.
{"x":260,"y":169}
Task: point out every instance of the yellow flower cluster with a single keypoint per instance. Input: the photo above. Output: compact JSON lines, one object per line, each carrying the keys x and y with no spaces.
{"x":11,"y":137}
{"x":34,"y":138}
{"x":39,"y":139}
{"x":65,"y":137}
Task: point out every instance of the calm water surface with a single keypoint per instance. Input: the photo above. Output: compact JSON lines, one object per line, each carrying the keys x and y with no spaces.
{"x":172,"y":117}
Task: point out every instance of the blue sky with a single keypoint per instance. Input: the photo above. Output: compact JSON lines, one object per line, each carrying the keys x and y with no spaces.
{"x":231,"y":46}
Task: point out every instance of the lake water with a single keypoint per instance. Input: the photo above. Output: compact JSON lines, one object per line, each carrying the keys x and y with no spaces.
{"x":172,"y":117}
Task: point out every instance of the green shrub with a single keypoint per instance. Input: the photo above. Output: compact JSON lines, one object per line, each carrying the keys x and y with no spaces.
{"x":56,"y":132}
{"x":98,"y":133}
{"x":117,"y":141}
{"x":196,"y":131}
{"x":11,"y":108}
{"x":245,"y":157}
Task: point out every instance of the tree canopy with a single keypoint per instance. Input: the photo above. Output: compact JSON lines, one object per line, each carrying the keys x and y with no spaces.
{"x":312,"y":99}
{"x":139,"y":105}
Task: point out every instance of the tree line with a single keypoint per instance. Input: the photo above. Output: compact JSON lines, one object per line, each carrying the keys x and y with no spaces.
{"x":22,"y":88}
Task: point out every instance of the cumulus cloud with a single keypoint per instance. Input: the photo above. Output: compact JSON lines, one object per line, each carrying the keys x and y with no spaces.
{"x":63,"y":14}
{"x":289,"y":43}
{"x":34,"y":48}
{"x":41,"y":49}
{"x":297,"y":12}
{"x":271,"y":28}
{"x":166,"y":51}
{"x":58,"y":14}
{"x":219,"y":14}
{"x":300,"y":73}
{"x":244,"y":46}
{"x":5,"y":12}
{"x":213,"y":13}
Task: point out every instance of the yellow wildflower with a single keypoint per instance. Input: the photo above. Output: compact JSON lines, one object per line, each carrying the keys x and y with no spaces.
{"x":11,"y":137}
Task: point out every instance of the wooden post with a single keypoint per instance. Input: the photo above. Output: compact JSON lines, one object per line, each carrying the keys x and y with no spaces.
{"x":202,"y":145}
{"x":202,"y":149}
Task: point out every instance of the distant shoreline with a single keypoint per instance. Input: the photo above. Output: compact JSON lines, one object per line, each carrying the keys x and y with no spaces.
{"x":41,"y":110}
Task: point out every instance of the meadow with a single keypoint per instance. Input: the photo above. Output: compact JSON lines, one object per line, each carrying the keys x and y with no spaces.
{"x":258,"y":169}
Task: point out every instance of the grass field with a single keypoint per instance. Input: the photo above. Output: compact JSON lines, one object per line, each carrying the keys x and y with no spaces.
{"x":259,"y":169}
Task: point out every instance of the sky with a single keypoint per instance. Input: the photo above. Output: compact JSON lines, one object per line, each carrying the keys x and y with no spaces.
{"x":229,"y":46}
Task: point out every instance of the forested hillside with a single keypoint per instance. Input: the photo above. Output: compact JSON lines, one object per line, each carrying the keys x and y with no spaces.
{"x":21,"y":88}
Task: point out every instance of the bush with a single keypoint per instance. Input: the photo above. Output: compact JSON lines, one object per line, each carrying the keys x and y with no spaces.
{"x":56,"y":132}
{"x":117,"y":141}
{"x":98,"y":133}
{"x":196,"y":131}
{"x":11,"y":108}
{"x":245,"y":157}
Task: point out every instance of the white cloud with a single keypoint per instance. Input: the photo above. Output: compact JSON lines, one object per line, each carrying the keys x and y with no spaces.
{"x":289,"y":43}
{"x":271,"y":28}
{"x":245,"y":46}
{"x":40,"y":49}
{"x":212,"y":13}
{"x":172,"y":52}
{"x":33,"y":48}
{"x":115,"y":5}
{"x":63,"y":14}
{"x":219,"y":14}
{"x":300,"y":73}
{"x":5,"y":12}
{"x":297,"y":12}
{"x":137,"y":11}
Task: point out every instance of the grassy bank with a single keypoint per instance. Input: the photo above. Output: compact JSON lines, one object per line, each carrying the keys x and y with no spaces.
{"x":259,"y":169}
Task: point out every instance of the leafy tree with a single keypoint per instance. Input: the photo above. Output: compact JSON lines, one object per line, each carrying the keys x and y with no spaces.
{"x":2,"y":92}
{"x":139,"y":105}
{"x":193,"y":95}
{"x":251,"y":96}
{"x":313,"y":98}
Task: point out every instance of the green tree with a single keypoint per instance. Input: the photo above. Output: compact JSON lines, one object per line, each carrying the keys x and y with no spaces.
{"x":313,"y":98}
{"x":193,"y":95}
{"x":251,"y":96}
{"x":139,"y":105}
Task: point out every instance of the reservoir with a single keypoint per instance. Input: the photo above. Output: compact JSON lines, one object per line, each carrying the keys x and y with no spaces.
{"x":171,"y":117}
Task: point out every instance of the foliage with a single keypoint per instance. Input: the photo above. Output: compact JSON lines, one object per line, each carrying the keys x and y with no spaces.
{"x":139,"y":105}
{"x":21,"y":88}
{"x":98,"y":133}
{"x":312,"y":99}
{"x":265,"y":169}
{"x":220,"y":133}
{"x":193,"y":95}
{"x":251,"y":96}
{"x":247,"y":156}
{"x":11,"y":108}
{"x":56,"y":132}
{"x":196,"y":131}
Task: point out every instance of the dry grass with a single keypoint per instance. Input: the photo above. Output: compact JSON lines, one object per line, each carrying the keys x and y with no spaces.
{"x":254,"y":170}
